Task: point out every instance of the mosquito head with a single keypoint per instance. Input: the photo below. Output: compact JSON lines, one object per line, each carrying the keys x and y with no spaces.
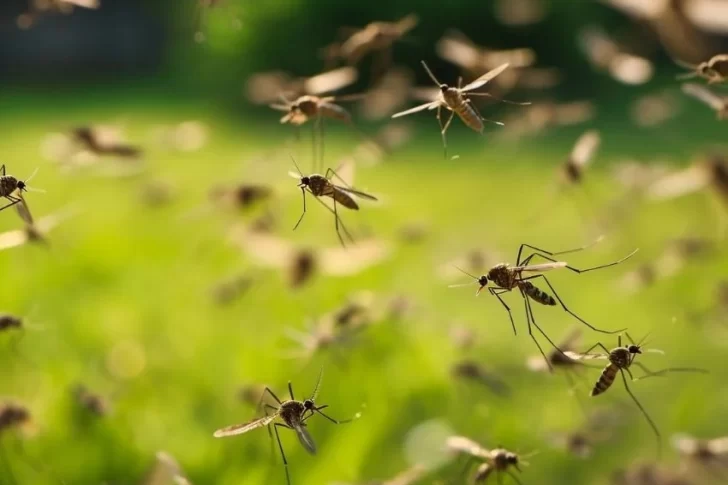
{"x":305,"y":181}
{"x":634,"y":349}
{"x":512,"y":459}
{"x":483,"y":281}
{"x":22,"y":186}
{"x":308,"y":405}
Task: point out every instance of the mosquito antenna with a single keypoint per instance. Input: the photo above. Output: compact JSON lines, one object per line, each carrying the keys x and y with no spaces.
{"x":463,"y":271}
{"x":32,"y":175}
{"x":687,"y":75}
{"x":314,"y":394}
{"x":296,"y":165}
{"x":684,"y":64}
{"x":429,"y":73}
{"x":507,"y":101}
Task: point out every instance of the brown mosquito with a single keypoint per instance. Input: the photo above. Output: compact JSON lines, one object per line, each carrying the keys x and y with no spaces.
{"x":621,"y":358}
{"x":457,"y":101}
{"x":714,"y":101}
{"x":472,"y":371}
{"x":606,"y":55}
{"x":599,"y":426}
{"x":101,"y":143}
{"x":506,"y":278}
{"x":292,"y":414}
{"x":242,"y":196}
{"x":705,"y":171}
{"x":714,"y":70}
{"x":91,"y":402}
{"x":498,"y":460}
{"x":376,"y":37}
{"x":581,"y":155}
{"x":12,"y":189}
{"x":321,"y":186}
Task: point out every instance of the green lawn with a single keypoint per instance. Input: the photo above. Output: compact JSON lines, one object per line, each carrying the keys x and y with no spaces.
{"x":121,"y":279}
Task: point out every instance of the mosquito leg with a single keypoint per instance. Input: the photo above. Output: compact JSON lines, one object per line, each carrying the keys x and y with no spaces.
{"x":341,"y":223}
{"x":508,"y":309}
{"x":550,"y":253}
{"x":530,"y":333}
{"x":662,"y":372}
{"x":529,"y":309}
{"x":318,"y":410}
{"x":443,"y":133}
{"x":12,"y":200}
{"x":574,"y":314}
{"x":331,"y":171}
{"x":477,"y":112}
{"x":644,"y":412}
{"x":303,"y":194}
{"x":267,"y":390}
{"x":2,"y":170}
{"x":290,"y":391}
{"x":283,"y":454}
{"x":514,"y":477}
{"x":336,"y":224}
{"x":598,"y":344}
{"x":439,"y":122}
{"x":572,"y":268}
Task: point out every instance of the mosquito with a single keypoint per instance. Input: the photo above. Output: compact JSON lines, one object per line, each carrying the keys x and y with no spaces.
{"x":498,"y":460}
{"x":709,"y":453}
{"x":456,"y":100}
{"x":12,"y":189}
{"x":506,"y":278}
{"x":717,"y":103}
{"x":292,"y":414}
{"x":165,"y":470}
{"x":714,"y":70}
{"x":103,"y":142}
{"x":34,"y":231}
{"x":621,"y":358}
{"x":581,"y":155}
{"x":377,"y":37}
{"x":474,"y":372}
{"x":321,"y":186}
{"x":89,"y":401}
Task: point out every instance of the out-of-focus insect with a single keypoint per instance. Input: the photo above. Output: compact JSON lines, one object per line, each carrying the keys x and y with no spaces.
{"x":252,"y":394}
{"x":391,"y":137}
{"x":321,"y":186}
{"x":714,"y":70}
{"x":265,"y":87}
{"x":103,"y":143}
{"x":621,"y":358}
{"x":714,"y":101}
{"x":649,"y":474}
{"x":498,"y":460}
{"x":705,"y":172}
{"x":455,"y":100}
{"x":241,"y":196}
{"x":90,"y":401}
{"x":506,"y":278}
{"x":188,"y":136}
{"x":581,"y":155}
{"x":407,"y":477}
{"x":544,"y":115}
{"x":377,"y":37}
{"x":301,"y":264}
{"x":712,"y":454}
{"x":12,"y":416}
{"x":604,"y":54}
{"x":556,"y":359}
{"x":472,"y":371}
{"x":34,"y":231}
{"x":600,"y":426}
{"x":165,"y":471}
{"x":203,"y":9}
{"x":230,"y":289}
{"x":655,"y":109}
{"x":38,"y":8}
{"x":292,"y":414}
{"x":12,"y":189}
{"x":517,"y":13}
{"x":387,"y":95}
{"x":157,"y":193}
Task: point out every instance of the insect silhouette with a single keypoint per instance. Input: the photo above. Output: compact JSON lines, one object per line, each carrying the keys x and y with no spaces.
{"x":164,"y":471}
{"x":498,"y":460}
{"x":714,"y":70}
{"x":506,"y":278}
{"x":321,"y":186}
{"x":376,"y":37}
{"x":91,"y":402}
{"x":93,"y":140}
{"x":12,"y":189}
{"x":581,"y":155}
{"x":472,"y":371}
{"x":714,"y":101}
{"x":292,"y":414}
{"x":705,"y":172}
{"x":711,"y":454}
{"x":456,"y":100}
{"x":621,"y":359}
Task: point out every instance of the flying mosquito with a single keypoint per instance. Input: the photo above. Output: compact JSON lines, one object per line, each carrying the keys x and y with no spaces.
{"x":498,"y":460}
{"x":581,"y":155}
{"x":90,"y":402}
{"x":34,"y":231}
{"x":102,"y":141}
{"x":12,"y":189}
{"x":716,"y":102}
{"x":704,"y":172}
{"x":321,"y":186}
{"x":376,"y":37}
{"x":557,"y":359}
{"x":621,"y":358}
{"x":709,"y":453}
{"x":292,"y":414}
{"x":506,"y":278}
{"x":714,"y":70}
{"x":472,"y":371}
{"x":165,"y":471}
{"x":456,"y":100}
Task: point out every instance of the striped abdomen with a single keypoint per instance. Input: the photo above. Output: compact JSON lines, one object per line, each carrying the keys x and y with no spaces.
{"x":536,"y":294}
{"x":343,"y":198}
{"x":457,"y":103}
{"x":605,"y":380}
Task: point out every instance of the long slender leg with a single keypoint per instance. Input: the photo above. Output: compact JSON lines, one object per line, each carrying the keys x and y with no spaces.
{"x":530,"y":333}
{"x":514,"y":477}
{"x":283,"y":454}
{"x":497,"y":294}
{"x":598,"y":344}
{"x":477,"y":112}
{"x":533,"y":321}
{"x":336,"y":224}
{"x":303,"y":194}
{"x":550,"y":253}
{"x":574,"y":314}
{"x":662,"y":372}
{"x":644,"y":412}
{"x":341,"y":223}
{"x":331,"y":171}
{"x":443,"y":132}
{"x":267,"y":390}
{"x":572,"y":268}
{"x":12,"y":200}
{"x":290,"y":391}
{"x":2,"y":170}
{"x":318,"y":410}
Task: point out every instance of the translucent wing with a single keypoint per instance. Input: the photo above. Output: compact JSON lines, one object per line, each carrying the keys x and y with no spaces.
{"x":407,"y":23}
{"x":538,"y":268}
{"x":709,"y":15}
{"x":331,"y":80}
{"x":462,"y":444}
{"x":681,"y":183}
{"x":572,"y":339}
{"x":92,"y":4}
{"x":459,"y":51}
{"x":165,"y":471}
{"x":417,"y":109}
{"x":340,"y":261}
{"x":294,"y":175}
{"x":346,"y":172}
{"x":24,"y":211}
{"x":47,"y":223}
{"x":237,"y":429}
{"x":578,"y":356}
{"x":705,"y":95}
{"x":264,"y":249}
{"x":305,"y":438}
{"x":12,"y":239}
{"x":358,"y":193}
{"x":719,"y":446}
{"x":485,"y":78}
{"x":585,"y":147}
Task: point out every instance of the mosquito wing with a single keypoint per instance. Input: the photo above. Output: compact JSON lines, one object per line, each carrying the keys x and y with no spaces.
{"x":237,"y":429}
{"x":709,"y":15}
{"x":578,"y":356}
{"x":572,"y":339}
{"x":348,"y":261}
{"x":705,"y":95}
{"x":331,"y":80}
{"x":358,"y":193}
{"x":91,"y":4}
{"x":12,"y":239}
{"x":24,"y":211}
{"x":485,"y":78}
{"x":540,"y":268}
{"x":719,"y":446}
{"x":47,"y":223}
{"x":680,"y":183}
{"x":585,"y":148}
{"x":461,"y":444}
{"x":305,"y":438}
{"x":417,"y":109}
{"x":459,"y":51}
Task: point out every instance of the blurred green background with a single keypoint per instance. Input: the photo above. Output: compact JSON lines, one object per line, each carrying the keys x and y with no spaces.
{"x":121,"y":301}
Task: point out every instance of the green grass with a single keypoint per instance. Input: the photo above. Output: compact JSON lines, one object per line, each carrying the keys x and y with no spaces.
{"x":124,"y":278}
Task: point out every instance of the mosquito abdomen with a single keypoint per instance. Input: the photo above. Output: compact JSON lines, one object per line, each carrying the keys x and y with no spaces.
{"x":345,"y":200}
{"x":330,"y":110}
{"x":605,"y":380}
{"x":536,"y":294}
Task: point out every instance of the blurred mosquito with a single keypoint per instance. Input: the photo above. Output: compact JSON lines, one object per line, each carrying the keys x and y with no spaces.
{"x":714,"y":101}
{"x":474,"y":372}
{"x":165,"y":471}
{"x":407,"y":477}
{"x":230,"y":289}
{"x":714,"y":70}
{"x":242,"y":196}
{"x":34,"y":231}
{"x":292,"y":414}
{"x":711,"y":454}
{"x":621,"y":358}
{"x":91,"y":402}
{"x":606,"y":55}
{"x":496,"y":461}
{"x":581,"y":155}
{"x":103,"y":141}
{"x":705,"y":172}
{"x":12,"y":189}
{"x":456,"y":100}
{"x":321,"y":186}
{"x":506,"y":278}
{"x":599,"y":427}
